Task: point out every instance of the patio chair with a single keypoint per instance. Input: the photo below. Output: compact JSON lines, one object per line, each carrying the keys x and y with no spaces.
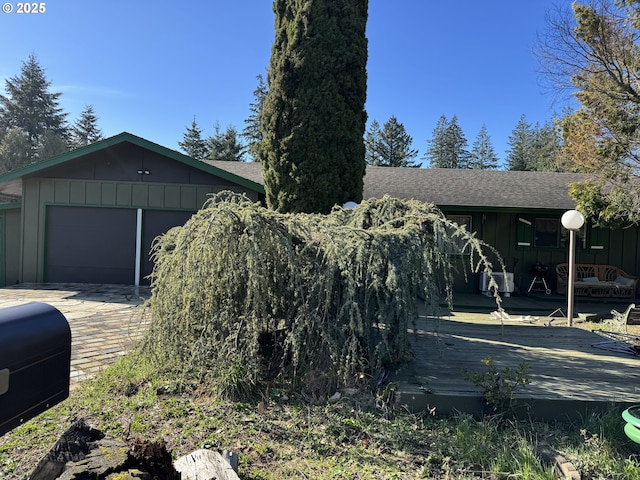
{"x":631,"y":316}
{"x":618,"y":342}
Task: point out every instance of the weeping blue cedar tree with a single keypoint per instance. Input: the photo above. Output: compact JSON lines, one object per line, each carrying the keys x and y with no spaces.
{"x":243,"y":295}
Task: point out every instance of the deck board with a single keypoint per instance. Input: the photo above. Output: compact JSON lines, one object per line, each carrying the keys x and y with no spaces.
{"x":563,"y":364}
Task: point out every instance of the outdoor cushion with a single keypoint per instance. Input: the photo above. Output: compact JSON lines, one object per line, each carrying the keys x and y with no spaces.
{"x":590,"y":280}
{"x":624,"y":281}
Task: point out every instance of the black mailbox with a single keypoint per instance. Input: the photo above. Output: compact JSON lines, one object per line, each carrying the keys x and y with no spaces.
{"x":35,"y":362}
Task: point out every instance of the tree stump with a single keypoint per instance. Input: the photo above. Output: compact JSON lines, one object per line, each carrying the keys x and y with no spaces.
{"x":83,"y":453}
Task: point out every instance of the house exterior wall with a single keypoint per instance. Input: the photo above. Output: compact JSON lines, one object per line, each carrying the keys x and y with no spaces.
{"x":502,"y":230}
{"x":38,"y":193}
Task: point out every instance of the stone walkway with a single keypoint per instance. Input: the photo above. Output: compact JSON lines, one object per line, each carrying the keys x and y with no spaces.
{"x":104,"y":319}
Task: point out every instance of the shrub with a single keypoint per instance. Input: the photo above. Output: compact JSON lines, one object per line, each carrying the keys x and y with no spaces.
{"x":246,"y":295}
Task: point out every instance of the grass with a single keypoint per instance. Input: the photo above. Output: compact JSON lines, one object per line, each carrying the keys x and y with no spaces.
{"x":282,"y":436}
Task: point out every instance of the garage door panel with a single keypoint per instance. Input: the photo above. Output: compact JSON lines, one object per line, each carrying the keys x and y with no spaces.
{"x":90,"y":245}
{"x":157,"y":222}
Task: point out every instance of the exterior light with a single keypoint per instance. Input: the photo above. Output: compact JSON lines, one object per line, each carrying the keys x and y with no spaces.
{"x":573,"y":221}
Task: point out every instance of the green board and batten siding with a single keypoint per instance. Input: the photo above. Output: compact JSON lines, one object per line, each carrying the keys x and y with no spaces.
{"x":154,"y":187}
{"x":41,"y":193}
{"x":513,"y":239}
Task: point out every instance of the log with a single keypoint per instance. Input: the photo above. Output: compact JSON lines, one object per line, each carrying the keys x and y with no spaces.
{"x":205,"y":465}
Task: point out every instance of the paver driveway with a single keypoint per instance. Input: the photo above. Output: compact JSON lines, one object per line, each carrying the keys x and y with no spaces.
{"x":104,"y":319}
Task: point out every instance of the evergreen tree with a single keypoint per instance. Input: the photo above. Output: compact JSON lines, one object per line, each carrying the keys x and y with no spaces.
{"x":193,"y":144}
{"x":85,"y":129}
{"x":51,"y":144}
{"x":448,"y":145}
{"x":520,"y":155}
{"x":252,"y":132}
{"x":372,"y":146}
{"x":225,"y":145}
{"x":15,"y":150}
{"x":314,"y":119}
{"x":395,"y":145}
{"x":30,"y":106}
{"x":546,"y":148}
{"x":436,"y":153}
{"x":483,"y":155}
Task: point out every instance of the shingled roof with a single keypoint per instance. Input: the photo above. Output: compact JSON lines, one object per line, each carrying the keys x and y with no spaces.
{"x":455,"y":188}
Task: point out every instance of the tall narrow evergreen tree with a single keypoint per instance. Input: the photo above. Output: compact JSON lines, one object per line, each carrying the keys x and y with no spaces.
{"x":372,"y":147}
{"x":85,"y":130}
{"x":313,"y":152}
{"x":546,"y":148}
{"x":252,"y":132}
{"x":437,"y":154}
{"x":457,"y":144}
{"x":192,"y":142}
{"x":448,"y":145}
{"x":519,"y":156}
{"x":483,"y":155}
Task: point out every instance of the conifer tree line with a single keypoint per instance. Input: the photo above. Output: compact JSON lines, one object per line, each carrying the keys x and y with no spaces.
{"x":33,"y":126}
{"x":531,"y":147}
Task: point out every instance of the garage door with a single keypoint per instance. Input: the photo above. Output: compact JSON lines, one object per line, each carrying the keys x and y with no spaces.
{"x":90,"y":245}
{"x":157,"y":222}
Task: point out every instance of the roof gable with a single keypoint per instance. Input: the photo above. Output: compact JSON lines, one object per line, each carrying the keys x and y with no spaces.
{"x":11,"y":182}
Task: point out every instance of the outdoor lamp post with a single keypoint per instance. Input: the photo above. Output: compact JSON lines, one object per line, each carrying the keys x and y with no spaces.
{"x":573,"y":221}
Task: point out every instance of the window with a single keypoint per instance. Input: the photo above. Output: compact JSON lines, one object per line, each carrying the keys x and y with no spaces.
{"x":547,"y":232}
{"x":461,"y":220}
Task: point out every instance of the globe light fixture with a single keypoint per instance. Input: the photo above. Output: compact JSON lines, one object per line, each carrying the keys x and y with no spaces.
{"x":573,"y":221}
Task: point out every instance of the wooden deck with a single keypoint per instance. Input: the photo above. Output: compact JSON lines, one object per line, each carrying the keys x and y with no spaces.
{"x":567,"y":373}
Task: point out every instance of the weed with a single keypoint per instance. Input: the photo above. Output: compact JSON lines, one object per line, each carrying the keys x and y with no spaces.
{"x":499,"y":387}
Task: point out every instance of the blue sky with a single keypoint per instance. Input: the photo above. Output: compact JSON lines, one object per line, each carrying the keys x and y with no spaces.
{"x":148,"y":67}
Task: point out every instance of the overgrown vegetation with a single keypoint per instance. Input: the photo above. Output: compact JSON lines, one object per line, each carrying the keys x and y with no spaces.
{"x":244,"y":296}
{"x":282,"y":436}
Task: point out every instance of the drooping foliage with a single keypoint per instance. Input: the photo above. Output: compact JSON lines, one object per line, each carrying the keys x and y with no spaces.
{"x":313,"y":118}
{"x":243,"y":295}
